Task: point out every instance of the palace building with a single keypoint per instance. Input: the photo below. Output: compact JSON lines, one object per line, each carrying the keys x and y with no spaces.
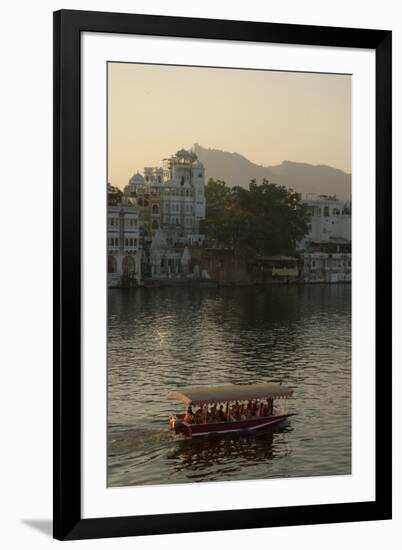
{"x":171,"y":198}
{"x":123,"y":240}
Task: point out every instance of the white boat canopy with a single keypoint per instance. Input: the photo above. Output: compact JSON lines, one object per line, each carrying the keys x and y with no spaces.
{"x":231,"y":392}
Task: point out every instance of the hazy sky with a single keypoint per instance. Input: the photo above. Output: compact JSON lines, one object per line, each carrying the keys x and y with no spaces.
{"x":267,"y":116}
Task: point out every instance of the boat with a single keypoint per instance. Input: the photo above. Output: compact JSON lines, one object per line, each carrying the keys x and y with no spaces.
{"x":241,"y":407}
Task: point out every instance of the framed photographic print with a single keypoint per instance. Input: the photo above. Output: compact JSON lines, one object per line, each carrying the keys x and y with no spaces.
{"x":220,"y":362}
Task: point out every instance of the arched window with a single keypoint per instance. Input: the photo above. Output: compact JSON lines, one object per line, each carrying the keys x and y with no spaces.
{"x":154,"y":224}
{"x":111,"y":264}
{"x":155,"y":209}
{"x":128,"y":265}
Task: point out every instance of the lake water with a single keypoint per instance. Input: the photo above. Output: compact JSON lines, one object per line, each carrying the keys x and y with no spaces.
{"x":165,"y":338}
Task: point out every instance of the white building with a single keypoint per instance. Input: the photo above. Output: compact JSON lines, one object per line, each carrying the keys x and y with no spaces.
{"x":179,"y":184}
{"x":123,"y":244}
{"x":167,"y":261}
{"x":319,"y":267}
{"x":330,"y":220}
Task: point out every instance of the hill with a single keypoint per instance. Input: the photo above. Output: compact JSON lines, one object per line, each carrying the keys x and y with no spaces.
{"x":303,"y":178}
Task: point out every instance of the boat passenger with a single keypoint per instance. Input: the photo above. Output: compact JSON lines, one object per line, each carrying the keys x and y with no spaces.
{"x":189,"y":416}
{"x":256,"y":409}
{"x":203,"y":414}
{"x":270,"y":406}
{"x":198,"y":416}
{"x":221,"y":414}
{"x":213,"y":413}
{"x":242,"y":412}
{"x":232,"y":412}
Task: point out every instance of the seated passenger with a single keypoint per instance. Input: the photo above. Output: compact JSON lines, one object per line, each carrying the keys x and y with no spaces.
{"x":189,"y":416}
{"x":242,"y":412}
{"x":198,"y":416}
{"x":213,"y":413}
{"x":270,"y":407}
{"x":203,"y":414}
{"x":236,"y":408}
{"x":232,"y":412}
{"x":221,"y":414}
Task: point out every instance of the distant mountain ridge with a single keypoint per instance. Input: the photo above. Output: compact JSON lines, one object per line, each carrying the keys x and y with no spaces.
{"x":235,"y":169}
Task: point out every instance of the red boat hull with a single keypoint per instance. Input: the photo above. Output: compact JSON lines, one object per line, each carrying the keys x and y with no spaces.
{"x":252,"y":424}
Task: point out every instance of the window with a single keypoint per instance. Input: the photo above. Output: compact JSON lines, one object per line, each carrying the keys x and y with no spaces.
{"x":155,"y":209}
{"x":128,"y":265}
{"x":154,"y":224}
{"x":111,"y":264}
{"x":326,"y":211}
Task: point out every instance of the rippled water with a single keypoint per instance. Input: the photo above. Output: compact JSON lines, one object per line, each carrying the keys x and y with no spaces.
{"x":165,"y":338}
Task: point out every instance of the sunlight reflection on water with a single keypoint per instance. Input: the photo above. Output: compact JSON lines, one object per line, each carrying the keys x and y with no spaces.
{"x":164,"y":338}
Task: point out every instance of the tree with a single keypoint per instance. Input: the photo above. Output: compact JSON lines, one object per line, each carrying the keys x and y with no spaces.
{"x":264,"y":219}
{"x":219,"y":226}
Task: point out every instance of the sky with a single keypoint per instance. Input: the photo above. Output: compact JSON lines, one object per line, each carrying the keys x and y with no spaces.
{"x":266,"y":116}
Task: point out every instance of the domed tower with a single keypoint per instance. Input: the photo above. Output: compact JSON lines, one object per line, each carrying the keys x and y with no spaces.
{"x":136,"y":181}
{"x":182,"y":166}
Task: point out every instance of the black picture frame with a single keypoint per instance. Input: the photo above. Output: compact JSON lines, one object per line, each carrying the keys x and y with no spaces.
{"x":68,"y":26}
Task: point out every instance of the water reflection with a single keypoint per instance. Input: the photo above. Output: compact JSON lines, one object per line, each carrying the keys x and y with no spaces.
{"x":165,"y":338}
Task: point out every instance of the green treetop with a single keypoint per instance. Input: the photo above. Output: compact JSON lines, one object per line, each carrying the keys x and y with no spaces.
{"x":264,"y":219}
